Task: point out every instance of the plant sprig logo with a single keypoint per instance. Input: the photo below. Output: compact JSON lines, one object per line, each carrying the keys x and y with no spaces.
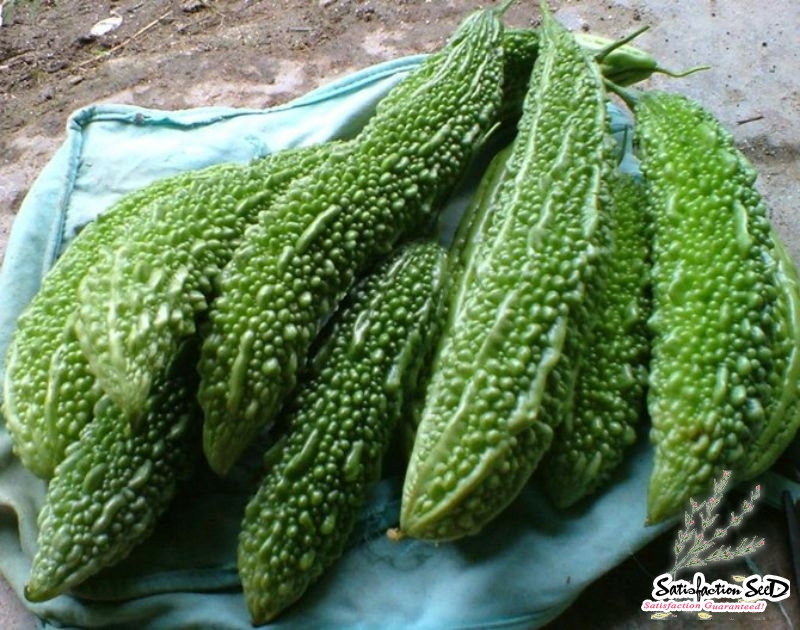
{"x":700,"y":543}
{"x":700,"y":553}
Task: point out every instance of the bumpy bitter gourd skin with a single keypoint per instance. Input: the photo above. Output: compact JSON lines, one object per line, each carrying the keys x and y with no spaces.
{"x":112,"y":486}
{"x":611,"y":348}
{"x":293,"y":269}
{"x":520,"y":49}
{"x":784,"y":415}
{"x":48,"y":389}
{"x":724,"y":368}
{"x":147,"y":289}
{"x":480,"y":435}
{"x":474,"y":227}
{"x":338,"y":427}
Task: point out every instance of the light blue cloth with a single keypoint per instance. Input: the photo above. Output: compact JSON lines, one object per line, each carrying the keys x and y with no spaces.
{"x":521,"y":572}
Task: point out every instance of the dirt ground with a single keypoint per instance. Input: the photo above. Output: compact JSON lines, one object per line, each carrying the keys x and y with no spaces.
{"x":188,"y":53}
{"x":182,"y":54}
{"x":258,"y":53}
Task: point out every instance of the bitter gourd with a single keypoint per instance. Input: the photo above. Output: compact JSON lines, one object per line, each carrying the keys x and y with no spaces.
{"x":621,"y":64}
{"x":725,"y":366}
{"x":480,"y":435}
{"x":784,"y":415}
{"x":291,"y":270}
{"x":520,"y":49}
{"x":112,"y":486}
{"x":48,"y":389}
{"x":146,"y":290}
{"x":610,"y":346}
{"x":338,"y":427}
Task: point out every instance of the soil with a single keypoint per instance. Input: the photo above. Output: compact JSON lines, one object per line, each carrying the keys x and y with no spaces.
{"x":181,"y":54}
{"x":173,"y":54}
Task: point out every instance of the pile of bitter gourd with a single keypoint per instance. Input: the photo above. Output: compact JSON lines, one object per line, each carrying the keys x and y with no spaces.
{"x":305,"y":295}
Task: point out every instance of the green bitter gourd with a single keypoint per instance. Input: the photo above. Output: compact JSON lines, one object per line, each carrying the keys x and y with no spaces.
{"x":338,"y":427}
{"x":480,"y":436}
{"x":610,"y":347}
{"x":725,"y":368}
{"x":112,"y":486}
{"x":146,"y":290}
{"x":620,"y":63}
{"x":49,"y":388}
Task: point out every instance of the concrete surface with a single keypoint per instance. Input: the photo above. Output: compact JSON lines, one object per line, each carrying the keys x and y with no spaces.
{"x":13,"y":615}
{"x":754,"y":52}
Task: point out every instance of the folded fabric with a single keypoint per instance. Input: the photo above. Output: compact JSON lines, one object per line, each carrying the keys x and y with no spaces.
{"x":521,"y":572}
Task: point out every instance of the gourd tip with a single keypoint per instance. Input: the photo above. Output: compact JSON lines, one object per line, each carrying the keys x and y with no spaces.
{"x":682,"y":73}
{"x":504,"y":6}
{"x":395,"y":534}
